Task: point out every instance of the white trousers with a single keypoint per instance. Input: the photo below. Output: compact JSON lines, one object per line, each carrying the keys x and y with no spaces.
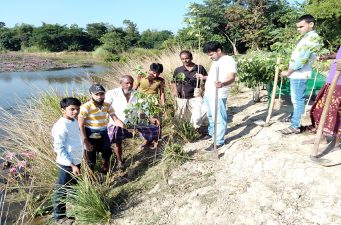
{"x":193,"y":110}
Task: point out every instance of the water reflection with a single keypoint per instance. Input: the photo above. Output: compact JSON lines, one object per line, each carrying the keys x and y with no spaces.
{"x":22,"y":85}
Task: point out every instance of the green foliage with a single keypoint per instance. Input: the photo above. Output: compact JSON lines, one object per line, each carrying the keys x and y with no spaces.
{"x":96,"y":30}
{"x":153,"y":38}
{"x":139,"y":71}
{"x":114,"y":42}
{"x":180,"y":77}
{"x":328,"y":15}
{"x":49,"y":37}
{"x":89,"y":205}
{"x":132,"y":35}
{"x":173,"y":152}
{"x":209,"y":19}
{"x":9,"y":40}
{"x":145,"y":107}
{"x":185,"y":130}
{"x":257,"y":67}
{"x":24,"y":33}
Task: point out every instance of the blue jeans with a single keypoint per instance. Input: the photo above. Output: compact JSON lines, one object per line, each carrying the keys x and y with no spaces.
{"x":64,"y":181}
{"x":221,"y":118}
{"x":297,"y":91}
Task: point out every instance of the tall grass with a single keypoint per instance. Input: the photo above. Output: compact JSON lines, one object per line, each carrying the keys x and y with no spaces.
{"x":29,"y":130}
{"x":89,"y":202}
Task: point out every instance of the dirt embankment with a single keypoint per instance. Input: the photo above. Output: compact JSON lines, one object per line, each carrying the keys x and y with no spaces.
{"x":263,"y":177}
{"x":16,"y":62}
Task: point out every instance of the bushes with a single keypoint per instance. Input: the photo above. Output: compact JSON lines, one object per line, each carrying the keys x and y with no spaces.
{"x":256,"y":68}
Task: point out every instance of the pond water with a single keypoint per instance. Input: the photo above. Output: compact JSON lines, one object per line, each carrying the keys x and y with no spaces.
{"x":17,"y":86}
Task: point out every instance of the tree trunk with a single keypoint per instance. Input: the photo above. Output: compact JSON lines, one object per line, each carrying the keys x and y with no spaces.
{"x":233,"y":43}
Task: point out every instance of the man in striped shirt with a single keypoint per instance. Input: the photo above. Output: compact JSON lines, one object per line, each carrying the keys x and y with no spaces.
{"x":93,"y":120}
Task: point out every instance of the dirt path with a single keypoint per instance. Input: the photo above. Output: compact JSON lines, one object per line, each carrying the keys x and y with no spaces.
{"x":263,"y":178}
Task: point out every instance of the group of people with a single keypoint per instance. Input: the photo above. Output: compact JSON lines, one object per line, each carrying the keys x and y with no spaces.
{"x":83,"y":131}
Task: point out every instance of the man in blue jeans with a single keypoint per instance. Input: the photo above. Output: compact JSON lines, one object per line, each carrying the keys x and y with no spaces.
{"x":300,"y":69}
{"x":227,"y":72}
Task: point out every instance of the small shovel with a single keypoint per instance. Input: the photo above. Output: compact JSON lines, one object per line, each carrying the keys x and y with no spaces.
{"x":273,"y":95}
{"x":306,"y":118}
{"x":279,"y":101}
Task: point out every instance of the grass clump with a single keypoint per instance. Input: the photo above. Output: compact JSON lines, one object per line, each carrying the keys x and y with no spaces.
{"x":185,"y":130}
{"x":173,"y":152}
{"x":89,"y":205}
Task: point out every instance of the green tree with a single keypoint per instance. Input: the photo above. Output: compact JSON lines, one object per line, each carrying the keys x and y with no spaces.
{"x":9,"y":40}
{"x":154,"y":39}
{"x":78,"y":39}
{"x":50,"y":37}
{"x":96,"y":31}
{"x":24,"y":33}
{"x":132,"y":34}
{"x":211,"y":15}
{"x":328,"y":15}
{"x":114,"y":41}
{"x":2,"y":25}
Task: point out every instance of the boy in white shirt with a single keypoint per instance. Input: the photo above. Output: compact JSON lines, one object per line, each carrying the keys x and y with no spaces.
{"x":69,"y":148}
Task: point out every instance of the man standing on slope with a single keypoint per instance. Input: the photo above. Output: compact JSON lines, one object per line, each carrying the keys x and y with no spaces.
{"x":300,"y":68}
{"x":227,"y":72}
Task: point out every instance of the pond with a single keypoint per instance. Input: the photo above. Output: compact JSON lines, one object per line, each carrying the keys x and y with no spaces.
{"x":17,"y":86}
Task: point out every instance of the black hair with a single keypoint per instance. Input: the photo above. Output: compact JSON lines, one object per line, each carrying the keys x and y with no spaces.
{"x":65,"y":102}
{"x":186,"y":52}
{"x":307,"y":18}
{"x":156,"y":67}
{"x":212,"y":46}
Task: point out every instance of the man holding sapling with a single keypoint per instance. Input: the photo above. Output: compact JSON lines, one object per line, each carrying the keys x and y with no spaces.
{"x":300,"y":69}
{"x":222,"y":73}
{"x":123,"y":99}
{"x":186,"y":87}
{"x":119,"y":98}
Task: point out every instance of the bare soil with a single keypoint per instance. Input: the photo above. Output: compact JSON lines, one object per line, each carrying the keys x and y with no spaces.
{"x":261,"y":177}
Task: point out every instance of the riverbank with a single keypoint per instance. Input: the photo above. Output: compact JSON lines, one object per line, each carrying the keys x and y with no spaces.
{"x":20,"y":61}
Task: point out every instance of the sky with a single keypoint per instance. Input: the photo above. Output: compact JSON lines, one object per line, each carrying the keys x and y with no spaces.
{"x":147,"y":14}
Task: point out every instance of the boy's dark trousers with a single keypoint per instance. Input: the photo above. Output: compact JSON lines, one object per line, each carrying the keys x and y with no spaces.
{"x":99,"y":145}
{"x":64,"y":181}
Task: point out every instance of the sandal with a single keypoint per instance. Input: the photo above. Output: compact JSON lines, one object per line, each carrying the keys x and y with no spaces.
{"x":290,"y":130}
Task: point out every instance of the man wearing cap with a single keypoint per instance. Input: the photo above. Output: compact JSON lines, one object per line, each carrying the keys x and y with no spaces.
{"x":93,"y":126}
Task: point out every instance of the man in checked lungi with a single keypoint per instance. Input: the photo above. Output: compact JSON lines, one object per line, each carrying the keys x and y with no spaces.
{"x":120,"y":98}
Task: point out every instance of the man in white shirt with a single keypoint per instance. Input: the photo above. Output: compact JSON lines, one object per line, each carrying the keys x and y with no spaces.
{"x":227,"y":68}
{"x":119,"y":98}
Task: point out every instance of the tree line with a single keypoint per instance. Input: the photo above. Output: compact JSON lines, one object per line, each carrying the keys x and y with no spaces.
{"x":239,"y":24}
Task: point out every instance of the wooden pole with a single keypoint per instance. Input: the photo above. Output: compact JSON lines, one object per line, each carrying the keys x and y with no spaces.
{"x":216,"y":110}
{"x":273,"y":95}
{"x":324,"y":114}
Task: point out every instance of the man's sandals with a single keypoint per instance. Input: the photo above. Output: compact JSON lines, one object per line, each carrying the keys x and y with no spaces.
{"x":290,"y":130}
